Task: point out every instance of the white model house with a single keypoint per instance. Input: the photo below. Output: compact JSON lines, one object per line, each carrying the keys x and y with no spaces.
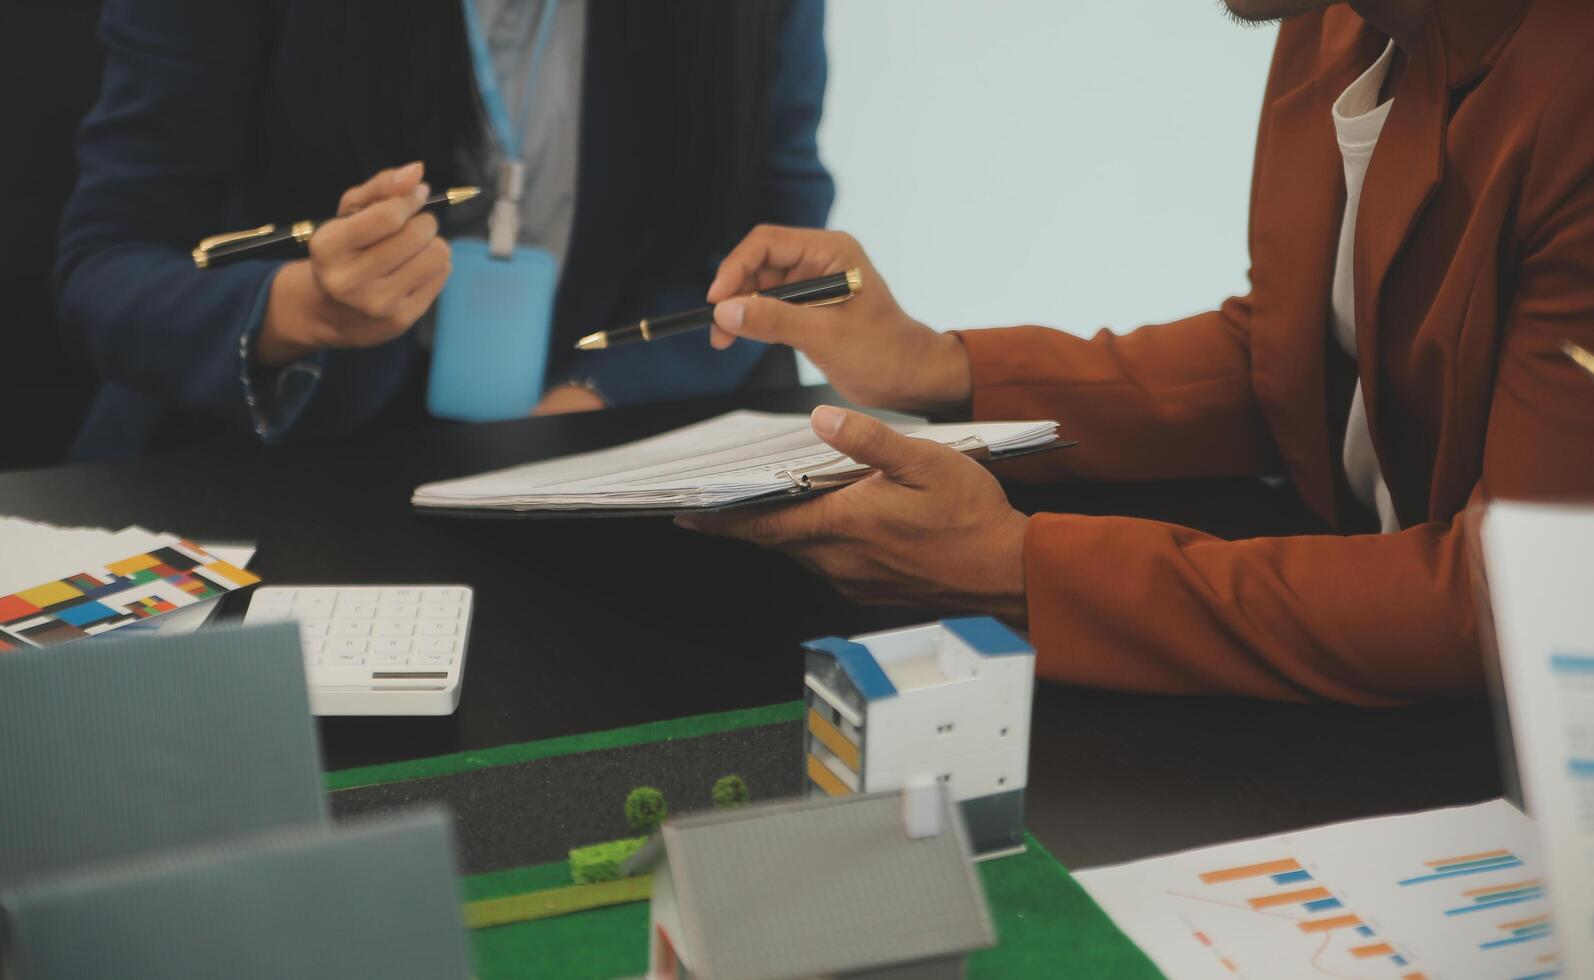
{"x":949,"y":700}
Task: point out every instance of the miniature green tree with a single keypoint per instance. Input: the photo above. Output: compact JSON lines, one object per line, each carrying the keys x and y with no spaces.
{"x":730,"y":792}
{"x":645,"y":810}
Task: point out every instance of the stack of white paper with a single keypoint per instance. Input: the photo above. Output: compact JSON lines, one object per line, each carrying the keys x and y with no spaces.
{"x":736,"y":457}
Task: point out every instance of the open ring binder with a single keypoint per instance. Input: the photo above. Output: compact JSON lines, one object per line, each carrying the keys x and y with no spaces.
{"x":736,"y":460}
{"x":838,"y":471}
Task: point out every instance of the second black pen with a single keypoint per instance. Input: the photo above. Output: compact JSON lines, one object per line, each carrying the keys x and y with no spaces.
{"x":835,"y":288}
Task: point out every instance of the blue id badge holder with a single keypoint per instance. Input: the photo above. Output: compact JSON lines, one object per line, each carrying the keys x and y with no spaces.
{"x":494,"y":318}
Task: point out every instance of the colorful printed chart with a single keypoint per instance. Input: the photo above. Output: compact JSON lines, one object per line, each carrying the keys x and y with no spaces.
{"x":1452,"y":893}
{"x":96,"y":600}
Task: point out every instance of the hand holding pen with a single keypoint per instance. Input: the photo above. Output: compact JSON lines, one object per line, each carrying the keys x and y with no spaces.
{"x":369,"y":276}
{"x":870,"y":350}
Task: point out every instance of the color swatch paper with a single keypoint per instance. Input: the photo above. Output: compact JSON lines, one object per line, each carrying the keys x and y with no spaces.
{"x":172,"y":575}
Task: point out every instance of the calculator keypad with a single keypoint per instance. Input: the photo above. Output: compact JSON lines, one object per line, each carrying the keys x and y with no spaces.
{"x":380,"y":629}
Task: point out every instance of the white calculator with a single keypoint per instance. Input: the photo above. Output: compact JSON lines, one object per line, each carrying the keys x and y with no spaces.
{"x":375,"y":649}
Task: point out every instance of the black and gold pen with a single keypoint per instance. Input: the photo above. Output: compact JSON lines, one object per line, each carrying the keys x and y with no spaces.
{"x":270,"y":240}
{"x":837,"y":288}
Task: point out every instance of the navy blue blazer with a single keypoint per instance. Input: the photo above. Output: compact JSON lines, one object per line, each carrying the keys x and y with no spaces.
{"x":191,"y":88}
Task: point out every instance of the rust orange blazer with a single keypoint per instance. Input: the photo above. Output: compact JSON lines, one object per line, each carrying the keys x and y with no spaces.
{"x":1474,"y":259}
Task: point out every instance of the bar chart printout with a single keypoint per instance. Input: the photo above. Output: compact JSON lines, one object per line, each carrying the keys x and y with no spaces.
{"x":1541,"y":591}
{"x":1447,"y":894}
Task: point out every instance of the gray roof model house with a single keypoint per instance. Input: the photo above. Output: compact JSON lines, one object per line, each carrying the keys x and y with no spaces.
{"x":875,"y":885}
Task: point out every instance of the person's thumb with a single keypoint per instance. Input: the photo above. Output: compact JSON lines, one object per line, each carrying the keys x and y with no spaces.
{"x":384,"y":184}
{"x":873,"y":443}
{"x":770,"y":320}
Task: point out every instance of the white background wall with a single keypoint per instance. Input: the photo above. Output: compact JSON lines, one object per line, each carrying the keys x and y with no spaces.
{"x":1077,"y":163}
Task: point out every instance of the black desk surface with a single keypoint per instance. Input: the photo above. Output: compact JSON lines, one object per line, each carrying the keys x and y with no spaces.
{"x":588,"y":625}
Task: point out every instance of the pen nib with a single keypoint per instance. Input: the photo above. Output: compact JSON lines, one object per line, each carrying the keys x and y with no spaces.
{"x":593,"y":341}
{"x":1581,"y":357}
{"x":459,"y":195}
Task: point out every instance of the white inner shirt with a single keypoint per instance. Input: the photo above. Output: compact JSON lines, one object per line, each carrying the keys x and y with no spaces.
{"x":1358,"y":120}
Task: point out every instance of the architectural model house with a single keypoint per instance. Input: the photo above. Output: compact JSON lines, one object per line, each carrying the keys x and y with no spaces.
{"x":871,"y":885}
{"x":950,"y":700}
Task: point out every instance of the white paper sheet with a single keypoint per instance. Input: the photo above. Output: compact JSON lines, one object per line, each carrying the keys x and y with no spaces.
{"x":1540,"y":565}
{"x":31,"y":552}
{"x":1452,"y":894}
{"x":735,"y":457}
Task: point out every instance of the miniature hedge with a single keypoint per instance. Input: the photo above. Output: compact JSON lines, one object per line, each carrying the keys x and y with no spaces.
{"x":730,"y":792}
{"x":601,"y":862}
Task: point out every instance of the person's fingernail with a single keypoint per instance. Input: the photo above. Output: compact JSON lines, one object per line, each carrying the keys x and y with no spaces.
{"x":421,"y":192}
{"x":729,"y":315}
{"x":408,"y":172}
{"x":827,"y":420}
{"x":686,"y":522}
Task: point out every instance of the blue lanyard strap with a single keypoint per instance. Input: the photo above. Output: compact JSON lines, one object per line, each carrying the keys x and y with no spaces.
{"x":510,"y":138}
